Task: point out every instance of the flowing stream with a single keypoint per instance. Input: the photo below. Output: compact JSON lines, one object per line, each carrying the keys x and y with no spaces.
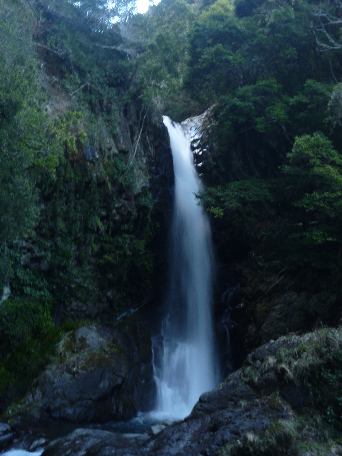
{"x":188,"y":365}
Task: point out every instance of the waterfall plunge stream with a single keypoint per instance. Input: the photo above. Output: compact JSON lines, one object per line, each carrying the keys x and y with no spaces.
{"x":187,"y":368}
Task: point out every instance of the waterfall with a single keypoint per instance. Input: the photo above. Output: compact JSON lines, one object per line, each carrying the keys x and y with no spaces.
{"x":187,"y":360}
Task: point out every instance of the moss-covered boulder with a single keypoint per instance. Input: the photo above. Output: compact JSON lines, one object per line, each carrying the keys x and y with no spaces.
{"x":93,"y":379}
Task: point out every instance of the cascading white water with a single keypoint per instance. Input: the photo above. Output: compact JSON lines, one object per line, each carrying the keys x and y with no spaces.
{"x":187,"y":368}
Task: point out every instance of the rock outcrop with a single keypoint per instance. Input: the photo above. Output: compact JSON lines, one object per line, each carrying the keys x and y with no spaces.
{"x":200,"y":129}
{"x":259,"y":305}
{"x":101,"y":374}
{"x":259,"y":409}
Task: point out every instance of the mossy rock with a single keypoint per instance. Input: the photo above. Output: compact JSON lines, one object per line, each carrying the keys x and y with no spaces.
{"x":93,"y":379}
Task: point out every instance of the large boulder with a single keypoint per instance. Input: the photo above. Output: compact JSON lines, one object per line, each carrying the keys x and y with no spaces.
{"x":101,"y":374}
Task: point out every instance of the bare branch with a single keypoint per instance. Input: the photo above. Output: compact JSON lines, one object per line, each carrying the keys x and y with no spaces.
{"x":327,"y":24}
{"x":80,"y":88}
{"x":138,"y":139}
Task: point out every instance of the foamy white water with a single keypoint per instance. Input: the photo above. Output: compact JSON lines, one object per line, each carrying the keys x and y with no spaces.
{"x":188,"y":367}
{"x":22,"y":453}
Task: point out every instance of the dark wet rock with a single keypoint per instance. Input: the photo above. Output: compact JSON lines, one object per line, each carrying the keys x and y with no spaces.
{"x":4,"y":428}
{"x":298,"y":396}
{"x":267,"y":383}
{"x":93,"y":442}
{"x":101,"y":375}
{"x":77,"y":388}
{"x":37,"y":443}
{"x":271,"y":348}
{"x":6,"y":435}
{"x":266,"y":307}
{"x":228,"y":394}
{"x":206,"y":435}
{"x":200,"y":129}
{"x":293,"y":312}
{"x":257,"y":397}
{"x":139,"y":383}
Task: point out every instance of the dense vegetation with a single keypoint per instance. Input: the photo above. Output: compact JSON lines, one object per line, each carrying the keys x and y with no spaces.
{"x":278,"y":122}
{"x":75,"y":222}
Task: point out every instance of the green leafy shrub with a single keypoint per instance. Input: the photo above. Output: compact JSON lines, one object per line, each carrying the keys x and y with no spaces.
{"x":27,"y":341}
{"x":21,"y":319}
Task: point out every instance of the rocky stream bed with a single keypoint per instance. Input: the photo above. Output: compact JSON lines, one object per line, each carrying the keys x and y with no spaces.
{"x":274,"y":404}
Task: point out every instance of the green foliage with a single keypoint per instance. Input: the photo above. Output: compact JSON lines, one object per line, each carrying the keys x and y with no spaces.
{"x":236,"y":197}
{"x":83,"y":48}
{"x":21,"y":320}
{"x":163,"y":64}
{"x":237,"y":208}
{"x":228,"y":51}
{"x":18,"y":198}
{"x":311,"y":227}
{"x":27,"y":340}
{"x":258,"y":60}
{"x":70,"y":131}
{"x":96,"y":15}
{"x":71,"y":231}
{"x":17,"y":74}
{"x":293,"y":220}
{"x":30,"y":145}
{"x":49,"y":194}
{"x":319,"y":167}
{"x":259,"y":122}
{"x":84,"y":245}
{"x":314,"y":153}
{"x":260,"y":106}
{"x":309,"y":107}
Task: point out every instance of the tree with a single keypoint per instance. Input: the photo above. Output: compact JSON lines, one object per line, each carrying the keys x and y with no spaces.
{"x":327,"y":25}
{"x":308,"y":233}
{"x":99,"y":14}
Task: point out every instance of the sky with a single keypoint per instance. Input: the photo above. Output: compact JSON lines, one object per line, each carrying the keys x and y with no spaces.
{"x":142,"y":6}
